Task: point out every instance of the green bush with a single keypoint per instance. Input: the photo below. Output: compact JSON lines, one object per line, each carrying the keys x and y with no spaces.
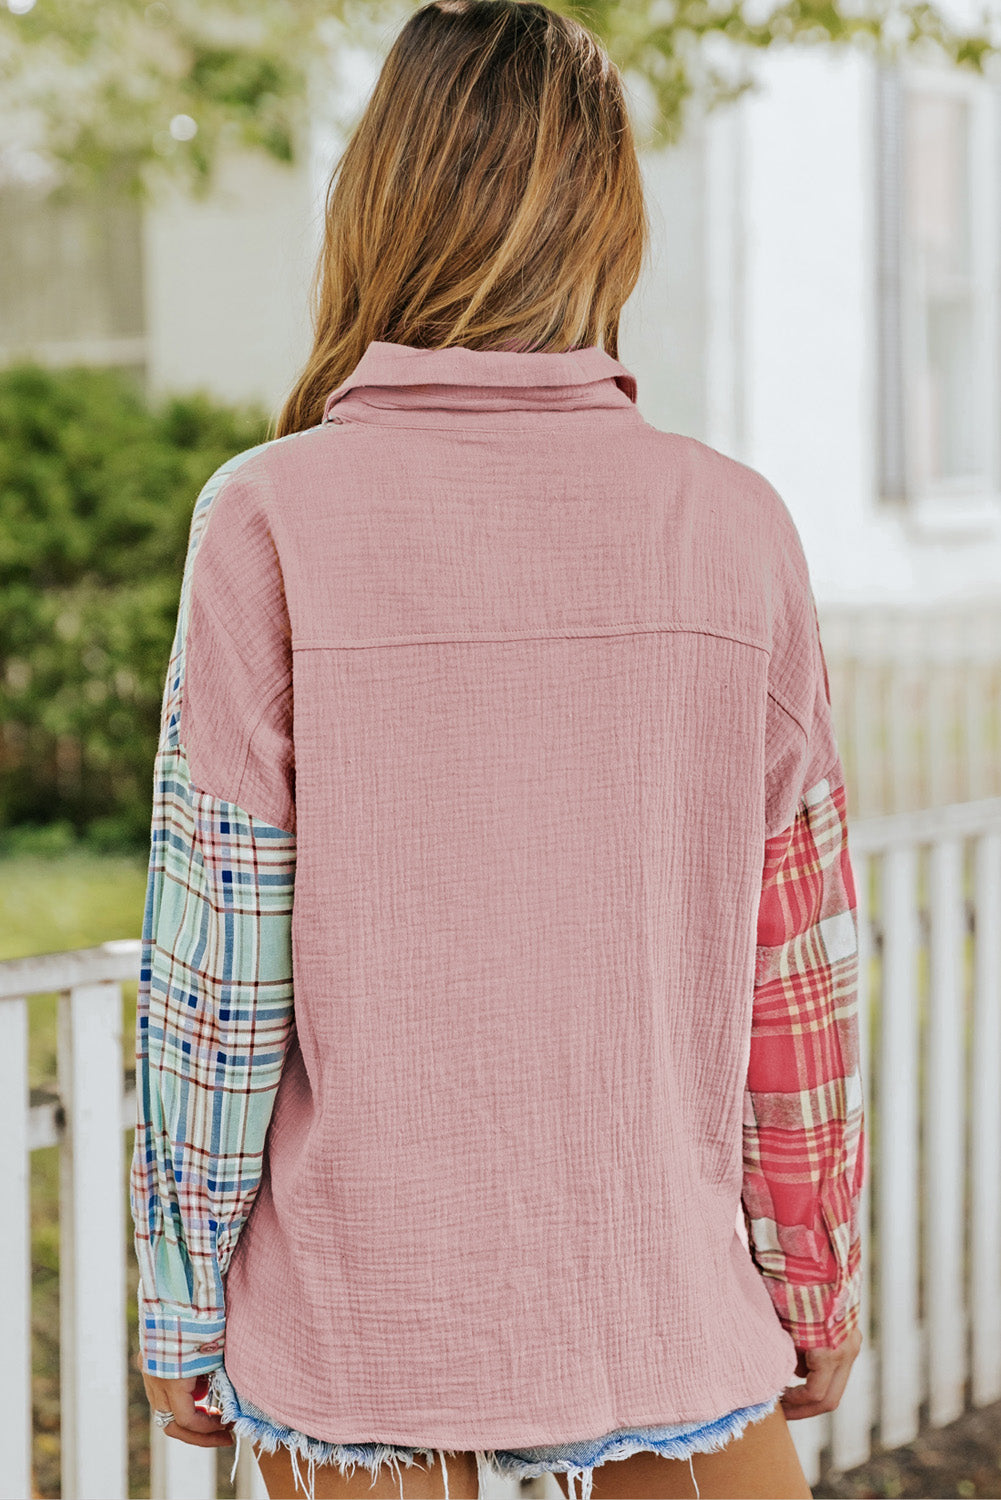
{"x":97,"y":486}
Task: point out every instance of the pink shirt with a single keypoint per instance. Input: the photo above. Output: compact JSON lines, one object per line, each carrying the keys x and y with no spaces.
{"x":536,"y":691}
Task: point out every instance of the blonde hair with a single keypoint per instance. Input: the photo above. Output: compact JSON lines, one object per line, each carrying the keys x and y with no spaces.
{"x":489,"y":196}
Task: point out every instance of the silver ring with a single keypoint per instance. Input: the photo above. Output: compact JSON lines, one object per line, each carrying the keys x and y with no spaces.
{"x":163,"y":1418}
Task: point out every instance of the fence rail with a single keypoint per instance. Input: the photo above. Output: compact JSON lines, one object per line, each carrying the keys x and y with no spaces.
{"x":929,"y":887}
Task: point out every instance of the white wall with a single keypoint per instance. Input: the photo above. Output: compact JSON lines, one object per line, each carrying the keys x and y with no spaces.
{"x":227,"y":282}
{"x":662,"y":332}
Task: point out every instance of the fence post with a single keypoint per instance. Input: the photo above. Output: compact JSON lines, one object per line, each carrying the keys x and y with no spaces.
{"x":93,"y":1345}
{"x":985,"y":1123}
{"x":945,"y":1121}
{"x":897,"y":1210}
{"x":181,"y":1471}
{"x":15,"y":1253}
{"x":852,"y":1421}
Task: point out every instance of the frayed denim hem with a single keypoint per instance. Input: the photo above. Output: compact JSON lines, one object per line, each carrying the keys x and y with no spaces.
{"x":579,"y":1460}
{"x":250,"y":1422}
{"x":576,"y":1460}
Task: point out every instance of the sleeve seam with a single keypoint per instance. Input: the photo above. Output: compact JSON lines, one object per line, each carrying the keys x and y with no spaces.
{"x":182,"y":742}
{"x":788,"y":712}
{"x":272,"y":698}
{"x":835,"y":778}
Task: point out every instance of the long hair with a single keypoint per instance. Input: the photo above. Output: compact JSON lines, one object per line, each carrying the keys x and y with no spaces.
{"x":489,"y":196}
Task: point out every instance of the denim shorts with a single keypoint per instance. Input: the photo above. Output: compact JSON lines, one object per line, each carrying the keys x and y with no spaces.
{"x":676,"y":1440}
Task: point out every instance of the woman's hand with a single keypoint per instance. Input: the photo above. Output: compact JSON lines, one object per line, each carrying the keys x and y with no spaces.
{"x":202,"y":1429}
{"x":826,"y":1372}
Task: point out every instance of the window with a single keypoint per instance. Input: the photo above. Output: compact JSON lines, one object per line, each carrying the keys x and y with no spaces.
{"x":939,"y":327}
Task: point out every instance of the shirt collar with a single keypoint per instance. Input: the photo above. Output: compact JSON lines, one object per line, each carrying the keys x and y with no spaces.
{"x":495,"y":384}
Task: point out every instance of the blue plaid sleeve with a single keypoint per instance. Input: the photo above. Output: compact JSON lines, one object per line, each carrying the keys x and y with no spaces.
{"x":214,"y":1016}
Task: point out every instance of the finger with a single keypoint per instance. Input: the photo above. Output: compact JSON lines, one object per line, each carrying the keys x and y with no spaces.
{"x":798,"y":1412}
{"x":806,"y":1399}
{"x":833,"y":1366}
{"x":838,"y":1383}
{"x":811,"y":1390}
{"x":223,"y":1439}
{"x":189,"y":1416}
{"x":828,"y":1401}
{"x":178,"y":1396}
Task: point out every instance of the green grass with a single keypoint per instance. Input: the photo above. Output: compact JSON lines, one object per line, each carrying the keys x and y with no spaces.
{"x":69,"y":902}
{"x":74,"y":901}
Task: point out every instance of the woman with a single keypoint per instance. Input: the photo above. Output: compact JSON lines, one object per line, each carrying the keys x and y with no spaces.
{"x":497,"y":728}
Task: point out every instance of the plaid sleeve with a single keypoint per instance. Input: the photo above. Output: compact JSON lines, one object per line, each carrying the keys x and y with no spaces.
{"x":214,"y":1015}
{"x":804,"y":1143}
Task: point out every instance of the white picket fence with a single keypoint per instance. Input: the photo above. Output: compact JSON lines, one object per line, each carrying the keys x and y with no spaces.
{"x":930,"y":1010}
{"x":916,"y":694}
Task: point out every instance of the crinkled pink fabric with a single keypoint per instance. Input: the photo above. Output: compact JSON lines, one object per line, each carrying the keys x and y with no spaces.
{"x":532,"y":681}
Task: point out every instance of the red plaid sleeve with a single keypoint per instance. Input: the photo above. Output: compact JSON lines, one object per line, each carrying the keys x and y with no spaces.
{"x":804,"y":1143}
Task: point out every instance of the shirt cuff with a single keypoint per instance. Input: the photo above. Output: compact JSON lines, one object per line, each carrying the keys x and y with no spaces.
{"x":176,"y":1342}
{"x":821,"y":1315}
